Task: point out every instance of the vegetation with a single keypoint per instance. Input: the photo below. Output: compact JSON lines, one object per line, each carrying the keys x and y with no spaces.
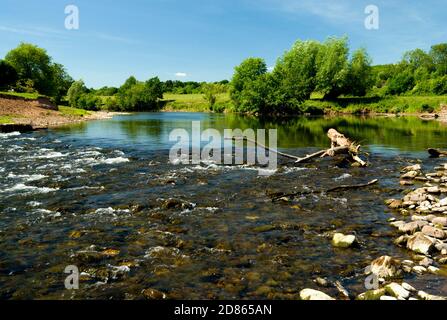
{"x":69,"y":111}
{"x":6,"y":120}
{"x":311,"y":77}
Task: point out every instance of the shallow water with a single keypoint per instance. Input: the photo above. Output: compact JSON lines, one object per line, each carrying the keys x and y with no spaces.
{"x":67,"y":195}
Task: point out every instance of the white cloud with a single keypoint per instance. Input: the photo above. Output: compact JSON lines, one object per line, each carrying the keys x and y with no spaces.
{"x":181,"y":75}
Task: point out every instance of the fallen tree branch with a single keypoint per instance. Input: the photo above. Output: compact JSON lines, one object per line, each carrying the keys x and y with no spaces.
{"x":342,"y":187}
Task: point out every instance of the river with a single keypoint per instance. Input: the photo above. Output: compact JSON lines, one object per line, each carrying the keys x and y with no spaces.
{"x":103,"y":196}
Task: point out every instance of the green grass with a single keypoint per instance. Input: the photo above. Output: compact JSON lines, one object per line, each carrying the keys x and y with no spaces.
{"x":69,"y":111}
{"x":22,"y":94}
{"x":192,"y":102}
{"x":6,"y":120}
{"x":394,"y":104}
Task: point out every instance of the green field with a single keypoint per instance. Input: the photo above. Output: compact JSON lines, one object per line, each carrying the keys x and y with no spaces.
{"x":192,"y":102}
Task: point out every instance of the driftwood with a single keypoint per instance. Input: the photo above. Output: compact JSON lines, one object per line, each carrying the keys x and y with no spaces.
{"x":339,"y":144}
{"x":342,"y":187}
{"x":436,"y":153}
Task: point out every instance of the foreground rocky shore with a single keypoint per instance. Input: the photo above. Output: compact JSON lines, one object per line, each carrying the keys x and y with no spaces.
{"x":423,"y":231}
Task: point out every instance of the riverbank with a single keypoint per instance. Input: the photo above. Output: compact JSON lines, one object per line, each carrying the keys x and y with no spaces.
{"x":404,"y":105}
{"x":32,"y":113}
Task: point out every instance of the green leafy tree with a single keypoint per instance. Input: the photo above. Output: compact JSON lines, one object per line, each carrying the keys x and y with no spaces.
{"x":211,"y":92}
{"x":245,"y":84}
{"x":139,"y":96}
{"x":75,"y":92}
{"x":294,"y":75}
{"x":8,"y":75}
{"x":439,"y":55}
{"x":33,"y":63}
{"x":359,"y":79}
{"x":332,"y":67}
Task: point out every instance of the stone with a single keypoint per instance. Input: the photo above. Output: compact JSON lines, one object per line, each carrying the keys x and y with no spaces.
{"x":443,"y":202}
{"x":433,"y":269}
{"x":397,"y":224}
{"x":386,"y":267}
{"x":412,"y":227}
{"x":311,"y":294}
{"x":321,"y":282}
{"x":385,"y":298}
{"x":425,"y":262}
{"x":416,"y":167}
{"x":419,"y":269}
{"x":395,"y":204}
{"x":435,"y":190}
{"x":417,"y":217}
{"x":433,"y":232}
{"x":425,"y":296}
{"x":408,"y":287}
{"x":372,"y":294}
{"x":420,"y":243}
{"x":410,"y":175}
{"x":440,"y":221}
{"x":343,"y":241}
{"x":396,"y":290}
{"x":153,"y":294}
{"x":402,"y":240}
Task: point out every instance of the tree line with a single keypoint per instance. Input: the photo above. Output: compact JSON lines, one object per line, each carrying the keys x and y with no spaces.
{"x":327,"y":70}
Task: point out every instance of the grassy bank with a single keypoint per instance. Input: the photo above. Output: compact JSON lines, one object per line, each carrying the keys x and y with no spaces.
{"x":192,"y":102}
{"x":393,"y":104}
{"x":30,"y":96}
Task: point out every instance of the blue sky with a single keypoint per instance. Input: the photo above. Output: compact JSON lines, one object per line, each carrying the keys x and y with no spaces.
{"x":202,"y":40}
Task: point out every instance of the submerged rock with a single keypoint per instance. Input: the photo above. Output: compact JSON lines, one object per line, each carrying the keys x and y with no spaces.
{"x":372,"y":294}
{"x":311,"y":294}
{"x":153,"y":294}
{"x":343,"y":241}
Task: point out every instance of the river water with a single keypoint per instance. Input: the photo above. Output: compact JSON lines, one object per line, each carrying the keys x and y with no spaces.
{"x":103,"y":196}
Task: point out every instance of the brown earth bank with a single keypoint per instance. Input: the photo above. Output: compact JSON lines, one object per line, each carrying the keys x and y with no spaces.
{"x":42,"y":114}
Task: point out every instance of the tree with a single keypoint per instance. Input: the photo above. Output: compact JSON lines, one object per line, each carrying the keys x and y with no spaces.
{"x":359,"y":79}
{"x":8,"y":75}
{"x":33,"y":63}
{"x":62,"y":81}
{"x":137,"y":96}
{"x":75,"y":92}
{"x":211,"y":90}
{"x":294,"y":74}
{"x":439,"y":55}
{"x":245,"y":79}
{"x":332,"y":67}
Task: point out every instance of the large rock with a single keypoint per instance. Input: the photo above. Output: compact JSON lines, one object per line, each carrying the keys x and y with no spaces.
{"x":412,"y":227}
{"x":386,"y":267}
{"x":396,"y":290}
{"x":433,"y":232}
{"x":311,"y":294}
{"x":420,"y":243}
{"x":343,"y":241}
{"x":425,"y":296}
{"x":372,"y":294}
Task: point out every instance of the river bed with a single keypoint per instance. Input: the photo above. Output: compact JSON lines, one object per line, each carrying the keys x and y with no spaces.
{"x":103,"y":196}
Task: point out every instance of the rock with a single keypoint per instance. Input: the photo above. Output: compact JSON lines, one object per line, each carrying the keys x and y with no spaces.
{"x":386,"y":267}
{"x":372,"y":294}
{"x":425,"y":296}
{"x":153,"y":294}
{"x":420,"y":243}
{"x":433,"y":232}
{"x":311,"y":294}
{"x":425,"y":262}
{"x":406,"y":183}
{"x":395,"y":204}
{"x":419,"y":269}
{"x":321,"y":282}
{"x":416,"y":167}
{"x":396,"y":290}
{"x":385,"y":298}
{"x":402,"y":240}
{"x":433,"y":269}
{"x":408,"y":287}
{"x":440,"y":221}
{"x":442,"y":259}
{"x":435,"y":190}
{"x":410,"y":175}
{"x":443,"y":202}
{"x":408,"y":263}
{"x":417,"y":217}
{"x":397,"y":224}
{"x":343,"y":241}
{"x":412,"y":227}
